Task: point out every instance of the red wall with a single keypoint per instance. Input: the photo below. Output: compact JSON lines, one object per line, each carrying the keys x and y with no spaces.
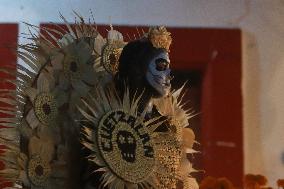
{"x":221,"y":101}
{"x":8,"y":58}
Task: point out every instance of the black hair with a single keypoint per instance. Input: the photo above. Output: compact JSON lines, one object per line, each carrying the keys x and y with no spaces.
{"x":133,"y":65}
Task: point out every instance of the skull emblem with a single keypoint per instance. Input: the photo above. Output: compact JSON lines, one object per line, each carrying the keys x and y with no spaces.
{"x":127,"y":145}
{"x":158,"y":73}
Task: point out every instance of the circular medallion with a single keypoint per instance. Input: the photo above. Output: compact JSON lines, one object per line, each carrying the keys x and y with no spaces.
{"x":45,"y":108}
{"x":38,"y":171}
{"x":126,"y":146}
{"x":110,"y":57}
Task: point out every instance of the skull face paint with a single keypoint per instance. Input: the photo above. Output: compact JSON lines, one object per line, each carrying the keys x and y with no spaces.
{"x":127,"y":146}
{"x":158,"y":73}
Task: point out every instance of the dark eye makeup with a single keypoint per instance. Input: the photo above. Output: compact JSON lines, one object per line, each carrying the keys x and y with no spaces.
{"x":161,"y":64}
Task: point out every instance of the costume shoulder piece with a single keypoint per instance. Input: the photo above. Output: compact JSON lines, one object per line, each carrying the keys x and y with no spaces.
{"x":174,"y":145}
{"x":79,"y":115}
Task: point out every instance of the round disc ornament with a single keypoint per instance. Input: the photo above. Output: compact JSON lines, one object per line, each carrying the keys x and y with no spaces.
{"x":126,"y":146}
{"x":38,"y":171}
{"x":45,"y":108}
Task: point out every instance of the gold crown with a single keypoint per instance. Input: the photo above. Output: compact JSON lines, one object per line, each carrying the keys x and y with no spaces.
{"x":160,"y":37}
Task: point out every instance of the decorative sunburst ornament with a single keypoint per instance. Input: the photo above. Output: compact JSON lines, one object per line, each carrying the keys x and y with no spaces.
{"x":121,"y":140}
{"x":45,"y":99}
{"x":76,"y":66}
{"x":112,"y":50}
{"x":45,"y":108}
{"x":110,"y":57}
{"x":38,"y":170}
{"x":125,"y":144}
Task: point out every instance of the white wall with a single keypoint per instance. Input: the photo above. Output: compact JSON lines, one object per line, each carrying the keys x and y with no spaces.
{"x":262,"y":23}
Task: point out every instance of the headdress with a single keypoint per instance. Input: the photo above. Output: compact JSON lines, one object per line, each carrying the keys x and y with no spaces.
{"x":112,"y":50}
{"x":160,"y":37}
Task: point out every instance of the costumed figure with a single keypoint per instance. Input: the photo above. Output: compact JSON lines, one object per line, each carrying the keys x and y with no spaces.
{"x":93,"y":112}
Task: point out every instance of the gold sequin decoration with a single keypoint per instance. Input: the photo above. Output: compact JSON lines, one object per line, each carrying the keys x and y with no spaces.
{"x":45,"y":108}
{"x":169,"y":157}
{"x":38,"y":171}
{"x":126,"y":148}
{"x":110,"y":57}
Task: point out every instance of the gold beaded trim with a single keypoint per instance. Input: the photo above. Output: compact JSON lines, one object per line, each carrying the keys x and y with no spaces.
{"x":110,"y":56}
{"x":45,"y":108}
{"x":38,"y":171}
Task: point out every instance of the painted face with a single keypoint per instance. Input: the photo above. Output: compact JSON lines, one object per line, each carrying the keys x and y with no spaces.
{"x":158,"y":73}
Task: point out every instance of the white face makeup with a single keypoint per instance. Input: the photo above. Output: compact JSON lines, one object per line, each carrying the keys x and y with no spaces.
{"x":158,"y":73}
